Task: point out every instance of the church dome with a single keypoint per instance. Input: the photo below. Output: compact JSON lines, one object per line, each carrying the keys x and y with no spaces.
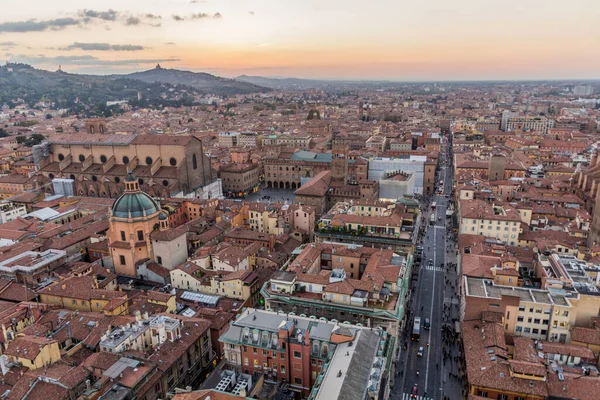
{"x":136,"y":204}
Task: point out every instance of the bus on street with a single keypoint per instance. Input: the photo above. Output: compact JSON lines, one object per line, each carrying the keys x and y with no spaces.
{"x":416,"y":333}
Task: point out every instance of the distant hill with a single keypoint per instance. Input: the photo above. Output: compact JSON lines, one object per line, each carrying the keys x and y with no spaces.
{"x":88,"y":94}
{"x":203,"y":82}
{"x":83,"y":92}
{"x":282,"y":83}
{"x":299,"y":83}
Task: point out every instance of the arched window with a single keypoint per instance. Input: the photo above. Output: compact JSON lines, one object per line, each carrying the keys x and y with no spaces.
{"x":173,"y":161}
{"x":141,"y":181}
{"x":51,"y":176}
{"x":194,"y":162}
{"x":94,"y":178}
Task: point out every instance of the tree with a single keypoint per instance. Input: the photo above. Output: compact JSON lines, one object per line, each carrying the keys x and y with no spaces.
{"x":48,"y":116}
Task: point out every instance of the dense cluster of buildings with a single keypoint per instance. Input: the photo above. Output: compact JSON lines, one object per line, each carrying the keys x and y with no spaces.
{"x":265,"y":250}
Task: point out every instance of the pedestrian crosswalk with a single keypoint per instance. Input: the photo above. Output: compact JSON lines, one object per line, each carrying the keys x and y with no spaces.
{"x":432,"y":268}
{"x":406,"y":396}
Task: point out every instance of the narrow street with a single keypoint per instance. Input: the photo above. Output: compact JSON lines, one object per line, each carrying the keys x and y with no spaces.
{"x":434,"y":297}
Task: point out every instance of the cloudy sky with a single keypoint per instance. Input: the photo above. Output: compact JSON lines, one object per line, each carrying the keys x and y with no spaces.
{"x":348,"y":39}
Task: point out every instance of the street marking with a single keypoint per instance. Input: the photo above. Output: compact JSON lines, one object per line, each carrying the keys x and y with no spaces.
{"x":406,"y":396}
{"x":436,"y":269}
{"x":431,"y":311}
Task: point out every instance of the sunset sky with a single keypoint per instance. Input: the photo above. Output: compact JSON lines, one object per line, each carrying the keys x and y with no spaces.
{"x":350,"y":39}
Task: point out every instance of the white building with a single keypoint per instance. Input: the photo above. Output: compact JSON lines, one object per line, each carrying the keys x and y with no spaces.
{"x":10,"y":212}
{"x":380,"y":168}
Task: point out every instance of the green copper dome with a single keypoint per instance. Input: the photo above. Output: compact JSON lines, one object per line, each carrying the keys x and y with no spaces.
{"x":136,"y":204}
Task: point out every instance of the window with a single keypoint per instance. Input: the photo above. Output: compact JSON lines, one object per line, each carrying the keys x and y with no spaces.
{"x":159,"y":260}
{"x":282,"y":368}
{"x":565,"y":313}
{"x":172,"y":161}
{"x":297,"y":354}
{"x":536,"y":321}
{"x":103,"y":159}
{"x":527,"y":330}
{"x":140,"y":235}
{"x":125,"y":160}
{"x":298,"y":381}
{"x":81,"y":158}
{"x":148,"y":160}
{"x":519,"y":319}
{"x":194,"y":162}
{"x":535,"y":331}
{"x":521,"y":308}
{"x":122,"y":260}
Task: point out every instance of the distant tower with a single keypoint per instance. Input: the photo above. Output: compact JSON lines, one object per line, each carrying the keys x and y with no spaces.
{"x":139,"y":96}
{"x":497,"y":167}
{"x":96,"y":125}
{"x":339,"y":162}
{"x":158,"y":66}
{"x":313,"y":114}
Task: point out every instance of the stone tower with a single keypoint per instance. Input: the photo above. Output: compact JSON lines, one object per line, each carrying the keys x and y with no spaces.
{"x":339,"y":163}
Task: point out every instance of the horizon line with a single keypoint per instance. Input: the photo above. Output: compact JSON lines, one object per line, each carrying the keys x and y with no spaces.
{"x":338,"y":80}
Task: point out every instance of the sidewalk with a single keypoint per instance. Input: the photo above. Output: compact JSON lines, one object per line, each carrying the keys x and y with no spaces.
{"x":453,"y":383}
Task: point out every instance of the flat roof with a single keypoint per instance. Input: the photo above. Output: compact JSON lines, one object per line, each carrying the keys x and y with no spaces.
{"x":354,"y":360}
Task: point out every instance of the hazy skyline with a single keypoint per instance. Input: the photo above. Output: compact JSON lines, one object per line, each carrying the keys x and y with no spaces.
{"x":394,"y":40}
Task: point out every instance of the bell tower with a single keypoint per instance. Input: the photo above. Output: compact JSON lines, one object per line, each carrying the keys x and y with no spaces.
{"x":339,"y":162}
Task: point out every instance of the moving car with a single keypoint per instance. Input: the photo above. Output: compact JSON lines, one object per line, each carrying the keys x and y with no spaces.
{"x":414,"y":392}
{"x":420,"y":352}
{"x":427,"y":325}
